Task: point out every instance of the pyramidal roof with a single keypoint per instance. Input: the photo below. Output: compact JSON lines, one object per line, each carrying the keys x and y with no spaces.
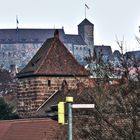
{"x":85,"y":22}
{"x":53,"y":59}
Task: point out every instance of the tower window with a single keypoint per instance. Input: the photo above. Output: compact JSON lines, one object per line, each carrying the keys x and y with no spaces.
{"x":49,"y":83}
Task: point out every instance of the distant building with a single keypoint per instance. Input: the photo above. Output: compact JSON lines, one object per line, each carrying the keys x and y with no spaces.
{"x":18,"y":46}
{"x":134,"y":55}
{"x":104,"y":52}
{"x":52,"y":67}
{"x":115,"y":59}
{"x":117,"y":54}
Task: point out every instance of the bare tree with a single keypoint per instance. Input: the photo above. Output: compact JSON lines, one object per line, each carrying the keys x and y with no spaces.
{"x":117,"y":107}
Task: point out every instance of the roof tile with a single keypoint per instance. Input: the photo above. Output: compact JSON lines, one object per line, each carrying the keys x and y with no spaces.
{"x":33,"y":129}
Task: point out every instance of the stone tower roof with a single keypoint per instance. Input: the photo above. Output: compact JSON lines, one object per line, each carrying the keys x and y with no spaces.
{"x":85,"y":22}
{"x":53,"y":59}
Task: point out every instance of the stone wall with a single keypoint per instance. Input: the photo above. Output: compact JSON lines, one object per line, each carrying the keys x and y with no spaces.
{"x":18,"y":54}
{"x":33,"y":91}
{"x":21,"y":53}
{"x":80,"y":52}
{"x":88,"y":34}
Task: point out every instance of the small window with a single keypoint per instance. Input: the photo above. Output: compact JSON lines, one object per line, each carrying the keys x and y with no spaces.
{"x":36,"y":39}
{"x":9,"y":54}
{"x":49,"y":83}
{"x":23,"y":40}
{"x":10,"y":40}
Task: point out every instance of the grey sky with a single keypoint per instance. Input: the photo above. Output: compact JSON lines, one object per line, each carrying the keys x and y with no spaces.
{"x":110,"y":17}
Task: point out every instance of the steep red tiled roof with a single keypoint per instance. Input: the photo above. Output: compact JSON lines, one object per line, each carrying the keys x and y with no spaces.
{"x":31,"y":129}
{"x":53,"y":59}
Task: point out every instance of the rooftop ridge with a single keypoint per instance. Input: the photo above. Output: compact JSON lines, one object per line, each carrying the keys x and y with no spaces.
{"x":85,"y":22}
{"x":24,"y":28}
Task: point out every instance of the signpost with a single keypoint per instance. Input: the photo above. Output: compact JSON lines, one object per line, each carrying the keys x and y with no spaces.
{"x":83,"y":106}
{"x":69,"y":100}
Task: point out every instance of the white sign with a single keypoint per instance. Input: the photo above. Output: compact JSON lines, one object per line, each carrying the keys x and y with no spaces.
{"x":83,"y":105}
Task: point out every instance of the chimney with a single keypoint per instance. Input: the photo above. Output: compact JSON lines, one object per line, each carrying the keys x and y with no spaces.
{"x":56,"y":34}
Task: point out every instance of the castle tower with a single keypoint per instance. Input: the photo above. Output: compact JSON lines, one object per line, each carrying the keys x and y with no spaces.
{"x":86,"y":30}
{"x":45,"y":74}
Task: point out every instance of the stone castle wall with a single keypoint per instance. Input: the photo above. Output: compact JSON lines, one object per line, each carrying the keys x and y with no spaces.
{"x":17,"y":54}
{"x":21,"y":53}
{"x":32,"y":92}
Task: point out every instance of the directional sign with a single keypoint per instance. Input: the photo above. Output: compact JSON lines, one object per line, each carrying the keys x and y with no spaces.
{"x":83,"y":106}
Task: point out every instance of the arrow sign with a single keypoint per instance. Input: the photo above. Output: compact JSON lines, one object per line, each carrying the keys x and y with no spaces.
{"x":83,"y":106}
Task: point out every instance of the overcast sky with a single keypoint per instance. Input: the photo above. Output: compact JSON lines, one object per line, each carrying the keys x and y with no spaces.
{"x":111,"y":18}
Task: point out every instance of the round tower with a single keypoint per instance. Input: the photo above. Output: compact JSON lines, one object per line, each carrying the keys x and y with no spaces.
{"x":86,"y":30}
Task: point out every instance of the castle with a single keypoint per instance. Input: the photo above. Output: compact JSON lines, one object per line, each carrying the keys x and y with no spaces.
{"x":55,"y":61}
{"x":18,"y":46}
